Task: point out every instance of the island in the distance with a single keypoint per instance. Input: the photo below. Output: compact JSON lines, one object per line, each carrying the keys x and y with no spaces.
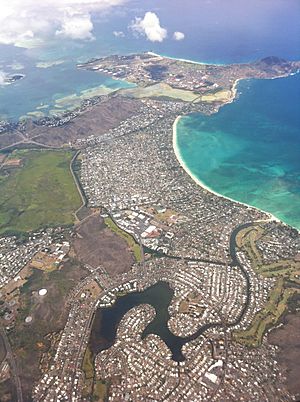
{"x":154,"y":288}
{"x":185,"y":80}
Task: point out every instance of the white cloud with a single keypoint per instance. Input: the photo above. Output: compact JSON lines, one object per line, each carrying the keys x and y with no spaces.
{"x":25,"y":21}
{"x":118,"y":34}
{"x":77,"y":27}
{"x":3,"y":76}
{"x":149,"y":26}
{"x":178,"y":35}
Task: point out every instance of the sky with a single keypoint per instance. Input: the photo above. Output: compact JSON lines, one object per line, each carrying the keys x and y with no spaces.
{"x":25,"y":21}
{"x":44,"y":39}
{"x":180,"y":25}
{"x":22,"y":21}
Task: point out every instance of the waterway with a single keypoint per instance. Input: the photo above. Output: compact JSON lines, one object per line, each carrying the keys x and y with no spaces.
{"x":159,"y":296}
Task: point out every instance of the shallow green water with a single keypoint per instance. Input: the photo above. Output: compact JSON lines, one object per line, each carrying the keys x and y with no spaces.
{"x":250,"y":150}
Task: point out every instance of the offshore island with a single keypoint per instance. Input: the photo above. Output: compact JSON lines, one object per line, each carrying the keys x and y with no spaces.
{"x":160,"y":289}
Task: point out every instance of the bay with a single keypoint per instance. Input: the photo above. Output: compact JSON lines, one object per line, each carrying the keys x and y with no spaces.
{"x":250,"y":149}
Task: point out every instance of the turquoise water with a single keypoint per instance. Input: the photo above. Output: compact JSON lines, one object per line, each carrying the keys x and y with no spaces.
{"x":250,"y":150}
{"x":45,"y":86}
{"x":253,"y":30}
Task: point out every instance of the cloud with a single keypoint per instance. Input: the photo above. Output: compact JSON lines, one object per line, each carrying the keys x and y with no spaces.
{"x":77,"y":27}
{"x":178,"y":35}
{"x":3,"y":77}
{"x":118,"y":34}
{"x":149,"y":26}
{"x":25,"y":21}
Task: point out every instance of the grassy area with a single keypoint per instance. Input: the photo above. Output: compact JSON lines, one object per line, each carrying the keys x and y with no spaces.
{"x":220,"y":96}
{"x":286,"y":268}
{"x":165,"y":216}
{"x":126,"y":236}
{"x":246,"y":240}
{"x":165,"y":91}
{"x":94,"y":390}
{"x":268,"y":316}
{"x":100,"y":391}
{"x":88,"y":369}
{"x":87,"y":365}
{"x":161,"y":90}
{"x":280,"y":294}
{"x":40,"y":193}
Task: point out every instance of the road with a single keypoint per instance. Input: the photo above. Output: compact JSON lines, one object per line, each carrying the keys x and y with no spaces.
{"x":79,"y":189}
{"x":13,"y":366}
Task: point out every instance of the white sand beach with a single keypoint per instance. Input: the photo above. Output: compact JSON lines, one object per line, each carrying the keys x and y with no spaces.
{"x":200,"y":183}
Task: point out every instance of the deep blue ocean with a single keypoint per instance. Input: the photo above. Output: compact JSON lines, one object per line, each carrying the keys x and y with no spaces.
{"x":250,"y":150}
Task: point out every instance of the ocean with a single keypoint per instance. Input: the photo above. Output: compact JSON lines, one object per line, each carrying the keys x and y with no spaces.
{"x":250,"y":149}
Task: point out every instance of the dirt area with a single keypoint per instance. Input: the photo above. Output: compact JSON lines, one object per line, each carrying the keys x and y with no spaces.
{"x":96,"y":245}
{"x":49,"y":314}
{"x":84,"y":212}
{"x":11,"y":289}
{"x":8,"y":391}
{"x":10,"y":138}
{"x":12,"y":162}
{"x":2,"y":350}
{"x":94,"y":121}
{"x":287,"y":338}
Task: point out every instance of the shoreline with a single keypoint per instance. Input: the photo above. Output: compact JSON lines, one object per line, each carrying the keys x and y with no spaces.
{"x":186,"y":60}
{"x":209,"y":189}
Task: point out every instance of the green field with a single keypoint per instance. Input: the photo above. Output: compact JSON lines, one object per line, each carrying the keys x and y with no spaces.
{"x":287,"y":284}
{"x":39,"y":193}
{"x":268,"y":317}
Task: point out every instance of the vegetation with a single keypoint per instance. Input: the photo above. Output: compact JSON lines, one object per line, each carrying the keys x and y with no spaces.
{"x":161,"y":90}
{"x":88,"y":369}
{"x":40,"y":193}
{"x":87,"y":365}
{"x":267,"y":317}
{"x":94,"y":389}
{"x":7,"y":390}
{"x":135,"y":247}
{"x":49,"y":315}
{"x":100,"y":391}
{"x":246,"y":240}
{"x":287,"y":284}
{"x":165,"y":216}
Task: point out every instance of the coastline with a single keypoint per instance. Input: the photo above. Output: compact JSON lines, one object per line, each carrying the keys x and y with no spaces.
{"x":185,"y":60}
{"x":235,"y":89}
{"x":207,"y":188}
